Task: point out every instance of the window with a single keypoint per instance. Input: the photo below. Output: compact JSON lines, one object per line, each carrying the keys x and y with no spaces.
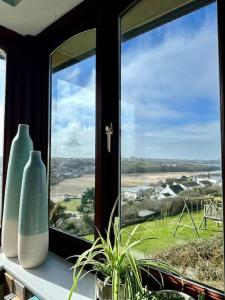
{"x":170,"y":139}
{"x":170,"y":134}
{"x":2,"y":109}
{"x":72,"y":167}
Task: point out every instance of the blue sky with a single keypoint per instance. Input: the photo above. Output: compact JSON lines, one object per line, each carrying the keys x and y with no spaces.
{"x":169,"y":95}
{"x":170,"y":90}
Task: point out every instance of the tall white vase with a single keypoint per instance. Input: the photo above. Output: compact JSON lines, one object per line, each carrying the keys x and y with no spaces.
{"x":33,"y":214}
{"x":19,"y":155}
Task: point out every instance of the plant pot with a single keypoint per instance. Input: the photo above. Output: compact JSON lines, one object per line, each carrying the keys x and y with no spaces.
{"x":173,"y":295}
{"x":104,"y":292}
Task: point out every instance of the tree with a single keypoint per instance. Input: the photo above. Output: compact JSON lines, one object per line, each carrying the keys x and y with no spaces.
{"x":57,"y":212}
{"x":88,"y":222}
{"x":87,"y":201}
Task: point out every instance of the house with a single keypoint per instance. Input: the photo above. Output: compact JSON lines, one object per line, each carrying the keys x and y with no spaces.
{"x":67,"y":197}
{"x":189,"y":185}
{"x":170,"y":191}
{"x":205,"y":183}
{"x":133,"y":193}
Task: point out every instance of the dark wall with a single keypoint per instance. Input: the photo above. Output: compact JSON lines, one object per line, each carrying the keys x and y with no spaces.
{"x":27,"y":78}
{"x":11,"y":43}
{"x":26,"y":92}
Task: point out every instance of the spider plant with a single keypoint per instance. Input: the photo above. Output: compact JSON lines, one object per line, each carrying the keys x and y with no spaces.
{"x":114,"y":262}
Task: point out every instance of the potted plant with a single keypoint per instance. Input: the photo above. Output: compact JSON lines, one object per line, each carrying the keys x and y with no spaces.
{"x":118,"y":270}
{"x":165,"y":295}
{"x":145,"y":294}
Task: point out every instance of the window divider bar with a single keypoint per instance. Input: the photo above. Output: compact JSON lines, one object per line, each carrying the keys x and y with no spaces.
{"x":107,"y":111}
{"x":221,"y":46}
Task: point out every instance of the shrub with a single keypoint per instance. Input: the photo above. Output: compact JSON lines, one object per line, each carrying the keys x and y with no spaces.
{"x":201,"y":260}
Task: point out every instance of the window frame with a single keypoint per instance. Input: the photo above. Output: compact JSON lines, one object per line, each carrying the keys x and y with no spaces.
{"x":188,"y":285}
{"x":105,"y":47}
{"x":105,"y":18}
{"x":62,"y":243}
{"x":69,"y":241}
{"x":104,"y":161}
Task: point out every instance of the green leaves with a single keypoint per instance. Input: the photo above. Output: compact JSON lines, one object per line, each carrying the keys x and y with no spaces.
{"x":115,"y":263}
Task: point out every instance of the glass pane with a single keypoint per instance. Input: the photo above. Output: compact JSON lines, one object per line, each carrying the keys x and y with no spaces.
{"x":72,"y":170}
{"x":170,"y":144}
{"x":2,"y":110}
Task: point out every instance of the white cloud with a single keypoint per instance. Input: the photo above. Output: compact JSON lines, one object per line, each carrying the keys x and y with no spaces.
{"x":74,"y":140}
{"x":162,"y":84}
{"x":180,"y":67}
{"x":73,"y":120}
{"x":165,"y":88}
{"x":75,"y":72}
{"x":191,"y":141}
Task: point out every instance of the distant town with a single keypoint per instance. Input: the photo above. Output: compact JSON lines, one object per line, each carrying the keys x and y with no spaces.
{"x":143,"y":183}
{"x":63,"y":168}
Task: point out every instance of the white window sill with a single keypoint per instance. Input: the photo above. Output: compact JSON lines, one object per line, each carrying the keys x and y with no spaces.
{"x":52,"y":280}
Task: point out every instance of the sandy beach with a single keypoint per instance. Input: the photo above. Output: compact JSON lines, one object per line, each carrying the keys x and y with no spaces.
{"x":76,"y":186}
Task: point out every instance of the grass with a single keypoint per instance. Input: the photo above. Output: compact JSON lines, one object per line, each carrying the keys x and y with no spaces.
{"x":89,"y":237}
{"x":162,"y":230}
{"x":198,"y":258}
{"x":71,"y":205}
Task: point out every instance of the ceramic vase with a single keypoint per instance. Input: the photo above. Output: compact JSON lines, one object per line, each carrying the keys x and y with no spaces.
{"x":33,"y":214}
{"x":19,"y":155}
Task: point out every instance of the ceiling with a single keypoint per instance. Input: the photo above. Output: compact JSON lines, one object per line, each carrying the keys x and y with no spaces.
{"x":30,"y":17}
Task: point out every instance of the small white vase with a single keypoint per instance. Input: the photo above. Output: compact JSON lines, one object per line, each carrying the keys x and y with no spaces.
{"x":33,"y":237}
{"x":19,"y":155}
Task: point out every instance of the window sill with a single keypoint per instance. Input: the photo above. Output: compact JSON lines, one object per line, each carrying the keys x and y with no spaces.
{"x":52,"y":280}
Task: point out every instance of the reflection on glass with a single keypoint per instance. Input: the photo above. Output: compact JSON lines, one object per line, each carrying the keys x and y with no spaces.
{"x":170,"y":148}
{"x":2,"y":104}
{"x":72,"y":175}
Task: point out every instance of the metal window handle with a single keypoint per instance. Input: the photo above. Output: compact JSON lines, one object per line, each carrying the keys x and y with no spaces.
{"x":109,"y":132}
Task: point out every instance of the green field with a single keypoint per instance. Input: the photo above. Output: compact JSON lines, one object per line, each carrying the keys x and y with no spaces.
{"x":162,"y":232}
{"x":89,"y":237}
{"x":71,"y":205}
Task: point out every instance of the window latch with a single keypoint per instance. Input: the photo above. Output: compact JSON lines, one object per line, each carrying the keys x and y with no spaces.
{"x":109,"y":132}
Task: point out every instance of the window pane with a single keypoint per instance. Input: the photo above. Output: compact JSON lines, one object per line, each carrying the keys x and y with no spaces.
{"x":170,"y":143}
{"x":2,"y":109}
{"x":72,"y":176}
